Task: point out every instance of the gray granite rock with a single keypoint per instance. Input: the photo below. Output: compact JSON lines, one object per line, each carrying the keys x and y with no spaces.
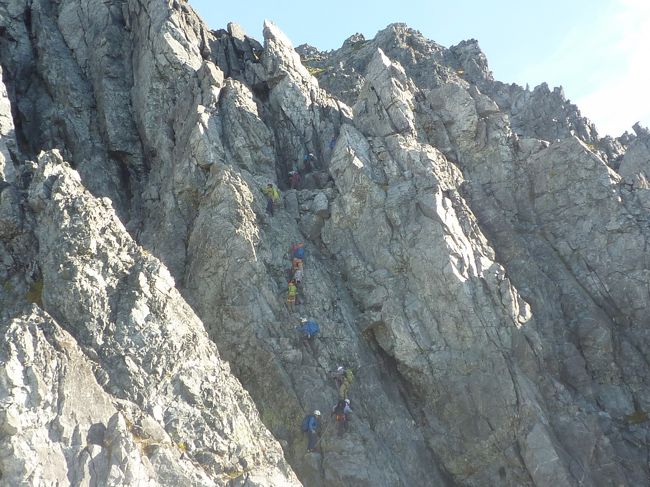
{"x":150,"y":352}
{"x":58,"y":425}
{"x":7,"y":136}
{"x":473,"y":255}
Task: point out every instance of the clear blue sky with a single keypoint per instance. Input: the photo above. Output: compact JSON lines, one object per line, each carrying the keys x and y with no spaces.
{"x":595,"y":49}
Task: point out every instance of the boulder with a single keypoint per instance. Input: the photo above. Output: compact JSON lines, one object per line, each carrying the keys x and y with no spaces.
{"x":320,"y":206}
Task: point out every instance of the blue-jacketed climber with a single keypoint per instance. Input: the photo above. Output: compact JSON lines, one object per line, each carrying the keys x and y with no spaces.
{"x":308,"y":329}
{"x":311,"y":426}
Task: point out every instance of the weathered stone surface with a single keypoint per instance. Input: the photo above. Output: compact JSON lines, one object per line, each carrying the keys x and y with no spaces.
{"x":58,"y":425}
{"x":304,"y":117}
{"x":567,"y":177}
{"x":385,"y":105}
{"x":150,"y":347}
{"x":472,"y":254}
{"x":7,"y":138}
{"x":635,"y":164}
{"x":411,"y":327}
{"x":54,"y":97}
{"x":320,"y":205}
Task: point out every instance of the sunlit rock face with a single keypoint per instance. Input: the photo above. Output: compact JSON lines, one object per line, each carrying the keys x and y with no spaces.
{"x":475,"y":254}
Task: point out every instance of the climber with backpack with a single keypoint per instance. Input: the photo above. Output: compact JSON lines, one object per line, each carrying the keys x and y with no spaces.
{"x":311,"y":426}
{"x":338,"y":375}
{"x":292,"y":294}
{"x":272,"y":197}
{"x":268,"y":192}
{"x":308,"y":163}
{"x":342,"y":413}
{"x":297,"y":254}
{"x":294,"y":179}
{"x":297,"y":274}
{"x":344,"y":388}
{"x":308,"y":330}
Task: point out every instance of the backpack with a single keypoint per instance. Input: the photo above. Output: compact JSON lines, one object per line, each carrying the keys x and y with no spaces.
{"x":305,"y":423}
{"x":340,"y":407}
{"x":310,"y":328}
{"x":349,"y":376}
{"x":299,"y":253}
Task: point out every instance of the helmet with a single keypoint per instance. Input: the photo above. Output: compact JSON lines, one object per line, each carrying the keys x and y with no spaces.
{"x":340,"y":368}
{"x":316,"y":412}
{"x":347,"y":401}
{"x":303,"y":320}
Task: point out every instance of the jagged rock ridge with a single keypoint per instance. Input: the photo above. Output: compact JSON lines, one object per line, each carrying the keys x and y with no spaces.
{"x":475,"y":253}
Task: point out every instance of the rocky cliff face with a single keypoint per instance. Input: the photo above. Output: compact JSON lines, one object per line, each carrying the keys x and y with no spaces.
{"x":475,"y":253}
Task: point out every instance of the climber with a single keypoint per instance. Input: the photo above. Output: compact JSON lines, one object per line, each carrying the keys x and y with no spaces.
{"x":308,"y":163}
{"x":292,"y":293}
{"x":294,"y":179}
{"x":308,"y":330}
{"x":342,"y":414}
{"x":311,"y":426}
{"x":272,"y":197}
{"x":297,"y":274}
{"x":338,"y":376}
{"x":297,"y":254}
{"x":348,"y":379}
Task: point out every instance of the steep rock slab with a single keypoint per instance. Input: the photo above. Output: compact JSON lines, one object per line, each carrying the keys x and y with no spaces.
{"x":149,"y":347}
{"x":59,"y":426}
{"x":386,"y":182}
{"x":190,"y":118}
{"x":303,"y":116}
{"x":496,"y":165}
{"x":94,"y":32}
{"x":54,"y":100}
{"x":575,"y":199}
{"x":386,"y":102}
{"x":7,"y":137}
{"x":600,"y":233}
{"x":471,"y":131}
{"x":635,"y":166}
{"x":427,"y":304}
{"x":174,"y":94}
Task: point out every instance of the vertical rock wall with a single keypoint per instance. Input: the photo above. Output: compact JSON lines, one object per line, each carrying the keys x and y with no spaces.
{"x":486,"y":281}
